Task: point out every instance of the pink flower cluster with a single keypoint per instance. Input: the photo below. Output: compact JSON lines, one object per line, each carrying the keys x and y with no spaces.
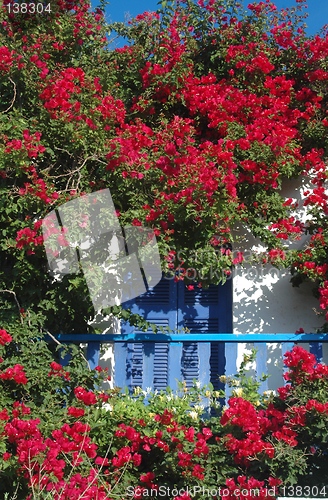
{"x":16,"y":373}
{"x":57,"y":370}
{"x":30,"y":144}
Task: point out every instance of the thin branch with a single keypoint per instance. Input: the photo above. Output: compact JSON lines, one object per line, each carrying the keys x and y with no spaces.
{"x":18,"y":305}
{"x":59,"y":343}
{"x":15,"y":494}
{"x":29,"y":318}
{"x":14,"y":98}
{"x":100,"y":161}
{"x":65,"y":150}
{"x":74,"y":465}
{"x":73,"y":171}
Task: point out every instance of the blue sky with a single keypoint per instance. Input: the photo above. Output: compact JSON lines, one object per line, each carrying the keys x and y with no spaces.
{"x":317,"y":10}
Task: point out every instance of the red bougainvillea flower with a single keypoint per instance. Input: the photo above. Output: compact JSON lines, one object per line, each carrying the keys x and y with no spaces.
{"x":5,"y":338}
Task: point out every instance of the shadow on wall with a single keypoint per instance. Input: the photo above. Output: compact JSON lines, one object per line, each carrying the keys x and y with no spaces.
{"x":264,"y":301}
{"x":272,"y":305}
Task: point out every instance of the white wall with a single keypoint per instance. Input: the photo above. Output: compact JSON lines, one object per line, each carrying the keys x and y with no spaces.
{"x":264,"y":300}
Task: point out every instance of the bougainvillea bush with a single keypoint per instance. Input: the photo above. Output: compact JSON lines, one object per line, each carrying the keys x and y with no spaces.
{"x":62,"y":439}
{"x":35,"y":385}
{"x":193,"y":126}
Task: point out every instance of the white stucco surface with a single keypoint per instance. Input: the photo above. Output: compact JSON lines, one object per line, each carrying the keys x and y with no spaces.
{"x":264,"y":300}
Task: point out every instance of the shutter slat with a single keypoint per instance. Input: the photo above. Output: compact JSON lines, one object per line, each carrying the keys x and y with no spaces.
{"x":174,"y":365}
{"x":161,"y":366}
{"x":158,"y":305}
{"x":217,"y":365}
{"x":137,"y":365}
{"x":190,"y":362}
{"x":210,"y":325}
{"x":205,"y":310}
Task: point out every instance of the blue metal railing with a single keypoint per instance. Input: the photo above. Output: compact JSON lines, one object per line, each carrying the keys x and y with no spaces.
{"x":146,"y":359}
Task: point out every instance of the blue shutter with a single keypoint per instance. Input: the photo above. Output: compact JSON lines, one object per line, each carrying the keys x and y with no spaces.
{"x":149,"y":362}
{"x":205,"y":311}
{"x":172,"y":304}
{"x":158,"y":305}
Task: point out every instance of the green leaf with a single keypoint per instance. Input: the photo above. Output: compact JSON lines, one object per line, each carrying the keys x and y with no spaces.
{"x":125,"y":314}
